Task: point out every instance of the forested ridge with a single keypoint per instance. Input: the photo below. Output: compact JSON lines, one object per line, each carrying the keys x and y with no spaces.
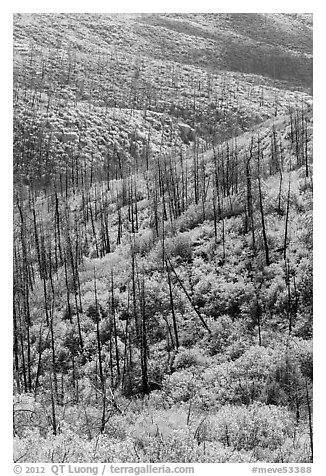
{"x":162,"y":238}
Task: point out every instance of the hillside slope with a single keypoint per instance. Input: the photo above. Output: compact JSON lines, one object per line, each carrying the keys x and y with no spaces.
{"x":163,"y":238}
{"x":274,"y":45}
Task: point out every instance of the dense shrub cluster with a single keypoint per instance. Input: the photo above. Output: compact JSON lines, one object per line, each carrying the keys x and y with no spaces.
{"x":162,"y":242}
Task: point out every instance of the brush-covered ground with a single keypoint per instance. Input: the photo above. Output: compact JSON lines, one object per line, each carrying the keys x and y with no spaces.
{"x":162,"y":238}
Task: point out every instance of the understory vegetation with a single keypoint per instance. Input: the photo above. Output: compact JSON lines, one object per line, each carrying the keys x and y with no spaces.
{"x":162,"y":242}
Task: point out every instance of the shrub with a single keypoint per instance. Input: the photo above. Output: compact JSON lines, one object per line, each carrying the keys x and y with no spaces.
{"x":182,"y":385}
{"x":188,"y":358}
{"x":191,"y":218}
{"x":243,"y":380}
{"x":228,"y":338}
{"x":180,"y":246}
{"x":246,"y":428}
{"x":143,"y":243}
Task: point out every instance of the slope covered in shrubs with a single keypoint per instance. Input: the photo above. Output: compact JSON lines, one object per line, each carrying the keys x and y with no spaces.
{"x":162,"y":246}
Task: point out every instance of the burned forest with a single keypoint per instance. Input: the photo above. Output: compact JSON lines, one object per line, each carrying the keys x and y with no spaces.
{"x":163,"y":181}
